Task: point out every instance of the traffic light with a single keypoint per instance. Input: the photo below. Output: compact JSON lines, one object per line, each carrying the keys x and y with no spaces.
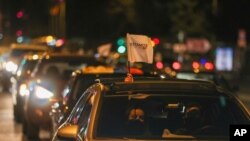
{"x":121,"y":49}
{"x":121,"y":45}
{"x":121,"y":42}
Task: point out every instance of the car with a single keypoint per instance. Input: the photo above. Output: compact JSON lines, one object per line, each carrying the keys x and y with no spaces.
{"x":79,"y":81}
{"x":45,"y":84}
{"x":149,"y":109}
{"x":14,"y":56}
{"x":18,"y":86}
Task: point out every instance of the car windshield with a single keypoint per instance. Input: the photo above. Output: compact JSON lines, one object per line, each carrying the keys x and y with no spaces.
{"x":147,"y":116}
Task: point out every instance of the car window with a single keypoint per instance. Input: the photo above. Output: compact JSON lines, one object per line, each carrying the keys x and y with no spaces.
{"x":26,"y":67}
{"x":78,"y":108}
{"x":85,"y":115}
{"x":148,"y":116}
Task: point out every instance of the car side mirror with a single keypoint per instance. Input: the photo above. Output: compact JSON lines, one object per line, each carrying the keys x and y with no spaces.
{"x":68,"y":132}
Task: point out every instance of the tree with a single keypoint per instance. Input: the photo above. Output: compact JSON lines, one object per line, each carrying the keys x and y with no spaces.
{"x":187,"y":16}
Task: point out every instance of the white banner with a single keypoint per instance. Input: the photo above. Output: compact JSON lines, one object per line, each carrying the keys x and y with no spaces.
{"x":140,"y":48}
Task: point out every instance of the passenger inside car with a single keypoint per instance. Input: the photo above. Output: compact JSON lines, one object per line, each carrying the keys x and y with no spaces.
{"x":136,"y":121}
{"x":192,"y":120}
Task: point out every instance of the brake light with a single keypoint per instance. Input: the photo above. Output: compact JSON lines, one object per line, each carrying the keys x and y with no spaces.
{"x":209,"y":66}
{"x":159,"y":65}
{"x":176,"y":65}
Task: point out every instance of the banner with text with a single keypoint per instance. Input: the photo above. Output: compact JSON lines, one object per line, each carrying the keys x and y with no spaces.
{"x":140,"y":48}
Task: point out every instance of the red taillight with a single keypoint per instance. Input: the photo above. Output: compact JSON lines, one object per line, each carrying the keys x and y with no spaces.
{"x":159,"y":65}
{"x":209,"y":66}
{"x":195,"y":65}
{"x":176,"y":65}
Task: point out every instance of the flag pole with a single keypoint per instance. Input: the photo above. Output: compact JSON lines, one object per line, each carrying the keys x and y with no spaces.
{"x":129,"y":78}
{"x":128,"y":63}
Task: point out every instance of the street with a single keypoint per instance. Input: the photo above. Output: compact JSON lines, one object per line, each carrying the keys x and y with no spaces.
{"x":11,"y":131}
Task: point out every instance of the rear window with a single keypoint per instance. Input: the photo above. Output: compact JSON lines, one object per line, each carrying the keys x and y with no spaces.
{"x":146,"y":116}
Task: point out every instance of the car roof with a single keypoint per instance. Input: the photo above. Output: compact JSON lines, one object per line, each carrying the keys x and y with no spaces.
{"x":148,"y":84}
{"x":29,"y":47}
{"x":65,"y":56}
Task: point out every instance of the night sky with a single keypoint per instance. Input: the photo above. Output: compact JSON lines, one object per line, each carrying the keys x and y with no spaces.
{"x":231,"y":16}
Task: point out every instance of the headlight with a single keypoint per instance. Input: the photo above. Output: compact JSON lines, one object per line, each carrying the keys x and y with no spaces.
{"x":11,"y":66}
{"x":43,"y":93}
{"x":23,"y":90}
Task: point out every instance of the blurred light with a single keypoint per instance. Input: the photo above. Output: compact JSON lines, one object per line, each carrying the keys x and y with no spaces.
{"x":43,"y":93}
{"x":11,"y":67}
{"x":54,"y":10}
{"x":20,"y":39}
{"x":176,"y":65}
{"x":59,"y":42}
{"x":20,"y":14}
{"x":52,"y":43}
{"x":203,"y":61}
{"x":168,"y":70}
{"x":195,"y":65}
{"x":121,"y":42}
{"x":97,"y":55}
{"x":159,"y":65}
{"x":196,"y":70}
{"x":49,"y":39}
{"x":19,"y":73}
{"x":173,"y":73}
{"x":19,"y":32}
{"x":209,"y":66}
{"x":121,"y":49}
{"x":35,"y":57}
{"x":116,"y":55}
{"x":162,"y":76}
{"x":156,"y":41}
{"x":23,"y":90}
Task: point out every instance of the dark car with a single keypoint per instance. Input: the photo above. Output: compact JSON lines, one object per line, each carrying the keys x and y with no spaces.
{"x":18,"y":85}
{"x":45,"y":84}
{"x":76,"y":86}
{"x":153,"y":110}
{"x":79,"y":81}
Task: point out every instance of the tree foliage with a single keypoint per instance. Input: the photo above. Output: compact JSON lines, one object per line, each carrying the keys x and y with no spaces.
{"x":187,"y":16}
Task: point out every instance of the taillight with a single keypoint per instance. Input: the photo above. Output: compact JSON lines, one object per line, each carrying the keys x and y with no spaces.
{"x":176,"y":65}
{"x":209,"y":66}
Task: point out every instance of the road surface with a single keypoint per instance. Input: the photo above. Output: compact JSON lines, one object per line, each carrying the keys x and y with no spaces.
{"x":11,"y":131}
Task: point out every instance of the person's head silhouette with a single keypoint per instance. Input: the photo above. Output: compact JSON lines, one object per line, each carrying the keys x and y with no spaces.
{"x":193,"y":117}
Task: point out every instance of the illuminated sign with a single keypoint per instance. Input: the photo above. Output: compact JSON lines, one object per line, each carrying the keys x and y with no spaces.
{"x":224,"y":59}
